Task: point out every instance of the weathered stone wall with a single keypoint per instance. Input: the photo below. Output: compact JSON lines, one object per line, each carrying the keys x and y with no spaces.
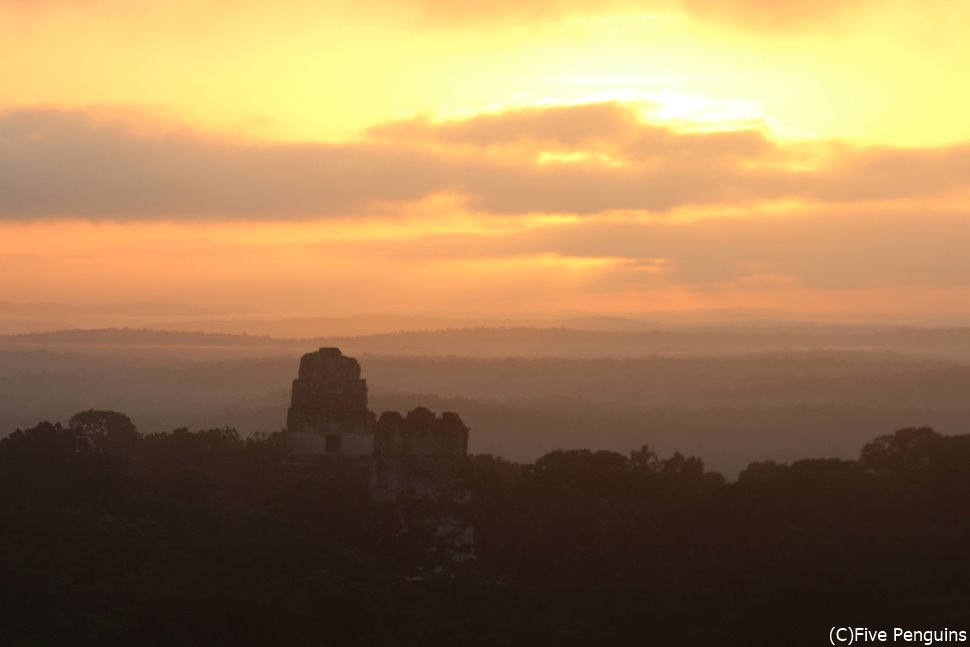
{"x":347,"y":443}
{"x":420,"y":455}
{"x":421,"y":433}
{"x":328,"y":413}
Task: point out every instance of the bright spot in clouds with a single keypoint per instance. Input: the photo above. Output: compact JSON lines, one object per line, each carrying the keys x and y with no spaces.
{"x":536,"y":156}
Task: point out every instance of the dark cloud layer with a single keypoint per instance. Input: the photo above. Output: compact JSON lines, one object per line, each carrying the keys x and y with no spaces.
{"x":71,"y":163}
{"x":56,"y":163}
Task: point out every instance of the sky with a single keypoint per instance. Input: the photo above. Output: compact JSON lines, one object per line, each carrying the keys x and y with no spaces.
{"x":473,"y":157}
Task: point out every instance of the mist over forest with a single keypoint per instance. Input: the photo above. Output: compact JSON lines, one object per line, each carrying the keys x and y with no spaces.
{"x":484,"y":323}
{"x":727,"y":394}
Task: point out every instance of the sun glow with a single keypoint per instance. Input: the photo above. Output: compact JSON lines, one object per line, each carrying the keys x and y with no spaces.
{"x":549,"y":148}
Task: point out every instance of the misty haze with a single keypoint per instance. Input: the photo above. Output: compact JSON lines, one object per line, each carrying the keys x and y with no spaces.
{"x":548,"y":322}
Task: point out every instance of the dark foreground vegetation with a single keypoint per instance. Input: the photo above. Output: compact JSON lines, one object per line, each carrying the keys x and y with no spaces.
{"x":203,"y":538}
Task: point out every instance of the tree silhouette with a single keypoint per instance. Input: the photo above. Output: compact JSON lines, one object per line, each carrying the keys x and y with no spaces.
{"x":108,"y":432}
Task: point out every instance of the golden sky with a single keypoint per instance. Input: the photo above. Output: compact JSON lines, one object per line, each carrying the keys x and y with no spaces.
{"x":487,"y":157}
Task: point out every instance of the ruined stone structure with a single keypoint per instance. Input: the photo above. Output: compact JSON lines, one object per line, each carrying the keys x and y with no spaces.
{"x":419,"y":455}
{"x":328,"y":414}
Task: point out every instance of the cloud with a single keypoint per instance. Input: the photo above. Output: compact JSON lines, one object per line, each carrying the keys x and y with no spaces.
{"x":775,"y":13}
{"x":829,"y":250}
{"x":560,"y":126}
{"x":71,"y":163}
{"x":756,"y":14}
{"x":581,"y":160}
{"x":782,"y":15}
{"x":609,"y":128}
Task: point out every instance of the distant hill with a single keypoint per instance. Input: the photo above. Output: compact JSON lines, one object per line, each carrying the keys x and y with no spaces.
{"x":359,"y":325}
{"x":138,"y":336}
{"x":947,"y":343}
{"x":140,"y":309}
{"x":19,"y":317}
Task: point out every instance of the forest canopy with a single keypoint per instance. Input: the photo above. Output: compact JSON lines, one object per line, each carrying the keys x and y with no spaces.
{"x":205,"y":536}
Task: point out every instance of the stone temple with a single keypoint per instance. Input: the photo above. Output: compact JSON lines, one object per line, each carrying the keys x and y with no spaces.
{"x":328,"y":413}
{"x":328,"y":422}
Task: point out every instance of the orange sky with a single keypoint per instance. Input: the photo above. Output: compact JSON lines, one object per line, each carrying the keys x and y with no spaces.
{"x":504,"y":157}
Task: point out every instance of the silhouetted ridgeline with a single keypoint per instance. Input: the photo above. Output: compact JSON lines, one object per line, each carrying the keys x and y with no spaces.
{"x":535,"y":342}
{"x":114,"y":537}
